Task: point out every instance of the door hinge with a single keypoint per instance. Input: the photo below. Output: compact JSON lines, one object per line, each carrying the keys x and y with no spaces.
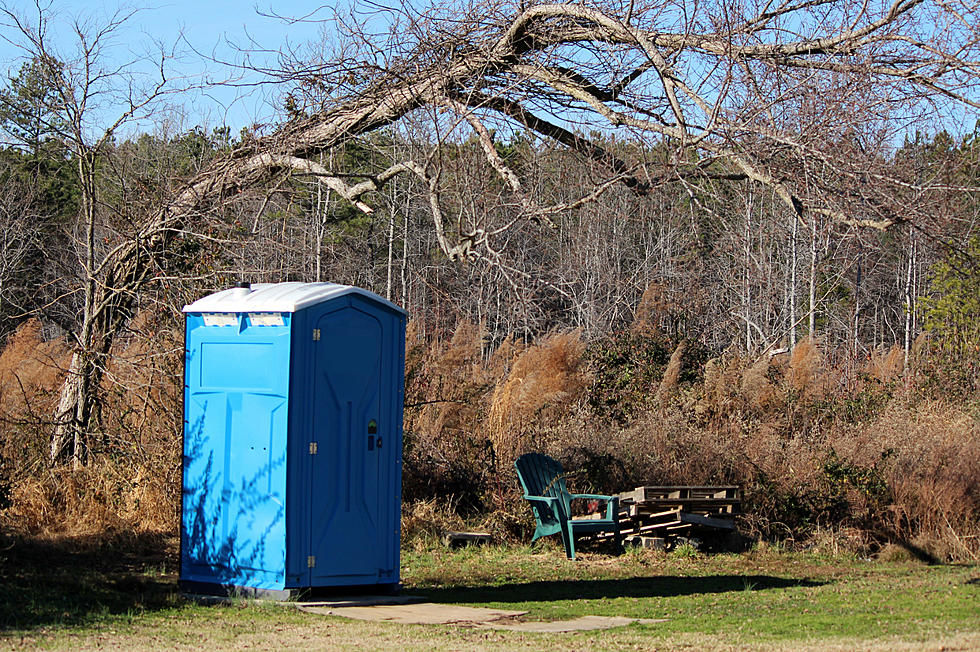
{"x":316,"y":334}
{"x":313,"y":448}
{"x":311,"y":561}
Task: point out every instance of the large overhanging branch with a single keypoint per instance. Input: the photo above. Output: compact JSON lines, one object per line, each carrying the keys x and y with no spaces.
{"x":648,"y":85}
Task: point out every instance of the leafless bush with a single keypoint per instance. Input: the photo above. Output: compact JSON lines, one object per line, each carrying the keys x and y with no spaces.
{"x":135,"y":485}
{"x":528,"y":405}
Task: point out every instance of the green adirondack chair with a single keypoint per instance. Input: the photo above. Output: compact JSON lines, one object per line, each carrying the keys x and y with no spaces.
{"x":544,"y":487}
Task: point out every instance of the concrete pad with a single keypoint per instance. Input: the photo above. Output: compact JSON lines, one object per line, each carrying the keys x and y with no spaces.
{"x":431,"y":613}
{"x":425,"y":613}
{"x":358,"y":601}
{"x":583,"y":624}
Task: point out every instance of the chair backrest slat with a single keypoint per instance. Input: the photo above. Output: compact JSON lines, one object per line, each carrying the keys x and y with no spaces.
{"x":541,"y":475}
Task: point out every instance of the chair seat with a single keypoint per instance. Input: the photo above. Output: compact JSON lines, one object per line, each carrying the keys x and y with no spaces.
{"x":593,"y":525}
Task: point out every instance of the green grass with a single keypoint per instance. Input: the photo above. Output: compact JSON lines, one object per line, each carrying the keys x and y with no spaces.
{"x":82,"y":594}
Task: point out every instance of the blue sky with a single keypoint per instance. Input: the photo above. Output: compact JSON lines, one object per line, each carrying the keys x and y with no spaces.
{"x":210,"y":28}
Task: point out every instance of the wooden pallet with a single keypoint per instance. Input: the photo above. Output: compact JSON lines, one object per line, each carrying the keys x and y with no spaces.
{"x":668,"y":511}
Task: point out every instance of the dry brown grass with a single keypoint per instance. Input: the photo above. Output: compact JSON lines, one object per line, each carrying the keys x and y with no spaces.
{"x":756,"y":389}
{"x":543,"y":382}
{"x":807,"y":373}
{"x":887,"y":366}
{"x":31,"y":370}
{"x":668,"y":384}
{"x":133,"y":481}
{"x":426,"y":521}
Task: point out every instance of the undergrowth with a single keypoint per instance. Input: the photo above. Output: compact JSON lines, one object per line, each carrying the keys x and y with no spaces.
{"x":834,"y":454}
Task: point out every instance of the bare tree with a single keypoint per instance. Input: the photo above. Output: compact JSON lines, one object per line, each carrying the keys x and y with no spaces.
{"x":802,"y":98}
{"x":91,"y":97}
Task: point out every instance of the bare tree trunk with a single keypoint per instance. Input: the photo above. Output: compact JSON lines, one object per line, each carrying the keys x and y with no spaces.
{"x":792,"y":282}
{"x":856,"y":322}
{"x":813,"y":281}
{"x":319,"y":221}
{"x":391,"y":243}
{"x":909,"y":300}
{"x":404,"y":266}
{"x":747,"y":275}
{"x":78,"y":393}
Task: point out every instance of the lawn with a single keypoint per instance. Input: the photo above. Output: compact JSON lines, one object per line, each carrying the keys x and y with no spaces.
{"x":79,"y":594}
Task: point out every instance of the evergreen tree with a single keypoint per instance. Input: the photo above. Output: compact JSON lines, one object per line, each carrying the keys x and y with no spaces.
{"x":29,"y":106}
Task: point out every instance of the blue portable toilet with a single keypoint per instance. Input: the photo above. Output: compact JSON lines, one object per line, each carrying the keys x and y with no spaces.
{"x":293,"y":396}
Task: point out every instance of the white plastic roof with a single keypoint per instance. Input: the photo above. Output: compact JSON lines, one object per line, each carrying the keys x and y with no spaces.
{"x":278,"y":297}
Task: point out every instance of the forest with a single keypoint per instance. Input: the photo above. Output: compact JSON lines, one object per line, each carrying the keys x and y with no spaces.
{"x":735,"y":243}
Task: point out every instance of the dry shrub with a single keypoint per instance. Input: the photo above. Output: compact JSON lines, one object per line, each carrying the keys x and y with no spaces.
{"x":446,"y":397}
{"x":504,"y":356}
{"x":887,"y":366}
{"x":543,"y":382}
{"x":668,"y":384}
{"x":665,"y":448}
{"x":101,"y":498}
{"x":449,"y":385}
{"x":465,"y":350}
{"x":756,"y":389}
{"x":31,"y":370}
{"x":143,"y":388}
{"x":132,"y":483}
{"x":844,"y":469}
{"x":722,"y":379}
{"x":934,"y":476}
{"x":425,"y":521}
{"x":807,"y":374}
{"x":653,"y":303}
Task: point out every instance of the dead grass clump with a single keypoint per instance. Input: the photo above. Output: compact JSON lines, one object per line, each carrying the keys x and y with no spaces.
{"x":504,"y":356}
{"x":887,"y":366}
{"x":807,"y":374}
{"x":936,"y":471}
{"x":450,"y":385}
{"x":894,"y":553}
{"x":97,"y":499}
{"x":544,"y":381}
{"x":447,"y":389}
{"x":756,"y":389}
{"x":722,"y":379}
{"x":839,"y":542}
{"x":465,"y":350}
{"x":424,"y":522}
{"x":668,"y":384}
{"x":31,"y":370}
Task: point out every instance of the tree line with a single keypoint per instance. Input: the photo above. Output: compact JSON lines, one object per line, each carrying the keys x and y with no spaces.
{"x":745,"y":177}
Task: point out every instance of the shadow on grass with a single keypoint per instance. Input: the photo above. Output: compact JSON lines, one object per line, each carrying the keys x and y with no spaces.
{"x":76,"y":580}
{"x":634,"y":587}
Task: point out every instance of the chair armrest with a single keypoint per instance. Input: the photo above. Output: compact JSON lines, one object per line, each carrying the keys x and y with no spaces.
{"x":594,"y":496}
{"x":542,"y":499}
{"x":612,"y":504}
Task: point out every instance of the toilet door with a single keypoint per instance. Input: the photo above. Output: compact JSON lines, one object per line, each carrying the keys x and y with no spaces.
{"x":348,"y":436}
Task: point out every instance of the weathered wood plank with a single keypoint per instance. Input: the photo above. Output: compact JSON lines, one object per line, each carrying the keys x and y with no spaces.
{"x":460,"y":539}
{"x":707,"y":521}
